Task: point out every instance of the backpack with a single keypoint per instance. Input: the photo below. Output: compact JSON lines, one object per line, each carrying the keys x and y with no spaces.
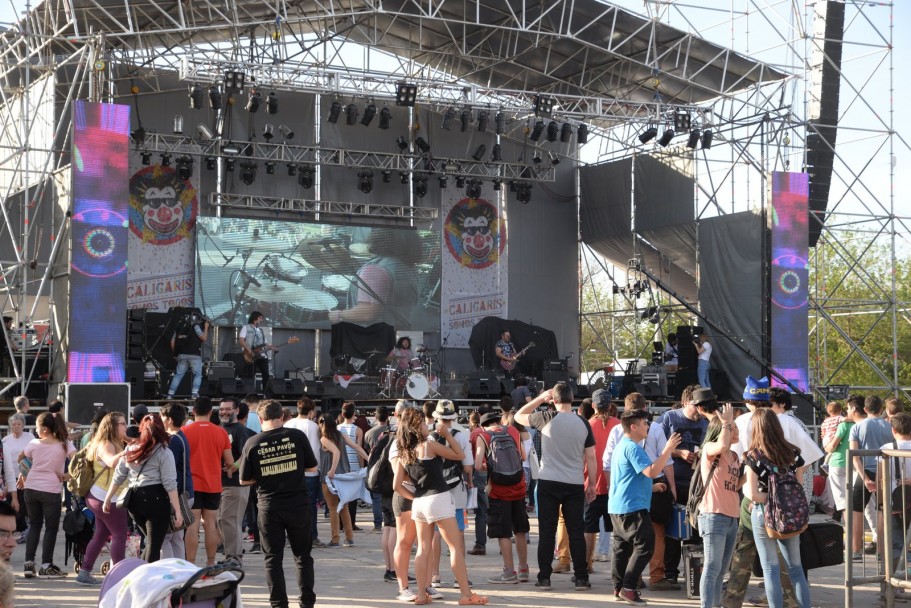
{"x":379,"y":469}
{"x":504,"y":464}
{"x":82,"y":473}
{"x":697,"y":492}
{"x":786,"y":511}
{"x":452,"y":469}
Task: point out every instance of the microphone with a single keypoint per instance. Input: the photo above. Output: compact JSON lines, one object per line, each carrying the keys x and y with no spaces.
{"x":250,"y":278}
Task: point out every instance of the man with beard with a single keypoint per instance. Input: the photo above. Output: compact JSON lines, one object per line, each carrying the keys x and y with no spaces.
{"x":233,"y":496}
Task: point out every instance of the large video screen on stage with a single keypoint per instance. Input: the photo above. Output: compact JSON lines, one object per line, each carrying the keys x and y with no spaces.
{"x":100,"y":226}
{"x":790,"y":275}
{"x":309,"y":276}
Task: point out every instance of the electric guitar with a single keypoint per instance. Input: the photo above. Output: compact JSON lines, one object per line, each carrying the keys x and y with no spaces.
{"x":511,"y":365}
{"x":249,"y":357}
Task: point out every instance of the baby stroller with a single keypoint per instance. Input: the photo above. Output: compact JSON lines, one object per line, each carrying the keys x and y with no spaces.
{"x":170,"y":582}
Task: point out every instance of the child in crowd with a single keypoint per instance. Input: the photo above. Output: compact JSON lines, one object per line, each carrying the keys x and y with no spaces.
{"x":830,"y":424}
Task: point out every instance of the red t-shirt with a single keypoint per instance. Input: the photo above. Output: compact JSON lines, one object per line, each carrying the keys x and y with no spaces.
{"x":515,"y":491}
{"x":601,"y":430}
{"x":208,"y":443}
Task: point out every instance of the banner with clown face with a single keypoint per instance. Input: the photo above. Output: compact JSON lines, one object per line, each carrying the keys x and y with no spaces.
{"x":163,"y":211}
{"x":474,"y":265}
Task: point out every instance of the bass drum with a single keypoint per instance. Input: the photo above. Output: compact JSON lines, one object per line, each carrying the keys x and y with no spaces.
{"x":417,"y":385}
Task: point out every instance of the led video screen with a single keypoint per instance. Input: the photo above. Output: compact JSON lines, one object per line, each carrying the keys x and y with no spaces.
{"x":309,"y":276}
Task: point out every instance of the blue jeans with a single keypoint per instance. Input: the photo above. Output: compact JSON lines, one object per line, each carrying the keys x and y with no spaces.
{"x":480,"y":514}
{"x":185,"y":362}
{"x":313,"y":493}
{"x":790,"y":549}
{"x":702,"y":373}
{"x":377,"y":504}
{"x":719,"y":534}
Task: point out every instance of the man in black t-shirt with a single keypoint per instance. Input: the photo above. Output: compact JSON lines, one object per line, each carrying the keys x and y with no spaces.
{"x":234,"y":497}
{"x":276,"y":461}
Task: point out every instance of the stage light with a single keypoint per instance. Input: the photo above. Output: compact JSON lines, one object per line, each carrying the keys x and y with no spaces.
{"x":178,"y":124}
{"x":351,"y":113}
{"x":543,"y":106}
{"x":196,"y":97}
{"x":146,"y":157}
{"x":465,"y":119}
{"x":248,"y":172}
{"x":553,"y":131}
{"x":214,"y":97}
{"x":403,"y":178}
{"x":421,"y":143}
{"x":229,"y":164}
{"x":272,"y":103}
{"x":268,"y":132}
{"x":230,"y":148}
{"x":402,"y":143}
{"x":666,"y":138}
{"x":305,"y":177}
{"x":184,"y":167}
{"x":479,"y":152}
{"x":448,"y":117}
{"x":292,"y":169}
{"x":286,"y":131}
{"x":582,"y":134}
{"x":523,"y":192}
{"x":537,"y":130}
{"x":497,"y":185}
{"x":334,"y":110}
{"x":473,"y":190}
{"x":211,"y":163}
{"x":405,"y":94}
{"x":365,"y":181}
{"x":512,"y":186}
{"x":270,"y":167}
{"x":483,"y":119}
{"x":707,"y":139}
{"x":460,"y":181}
{"x":682,"y":121}
{"x":648,"y":135}
{"x":204,"y":132}
{"x":500,"y":121}
{"x":495,"y":154}
{"x":554,"y":159}
{"x":693,"y":140}
{"x":234,"y":81}
{"x":387,"y":176}
{"x":419,"y":183}
{"x":566,"y":133}
{"x":444,"y":181}
{"x":536,"y":159}
{"x":138,"y":136}
{"x":165,"y":159}
{"x":254,"y":101}
{"x":369,"y":114}
{"x":385,"y":118}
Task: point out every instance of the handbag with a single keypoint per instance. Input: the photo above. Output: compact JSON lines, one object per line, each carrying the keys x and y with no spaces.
{"x":124,"y":501}
{"x":183,"y":499}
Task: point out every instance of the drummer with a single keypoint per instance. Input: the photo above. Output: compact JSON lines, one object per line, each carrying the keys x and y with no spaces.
{"x":402,"y":354}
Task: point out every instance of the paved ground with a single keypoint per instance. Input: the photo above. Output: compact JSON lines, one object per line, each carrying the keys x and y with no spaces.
{"x":352,"y":577}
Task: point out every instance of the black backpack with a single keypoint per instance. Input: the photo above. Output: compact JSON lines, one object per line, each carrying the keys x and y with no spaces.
{"x":452,"y":469}
{"x":379,"y":469}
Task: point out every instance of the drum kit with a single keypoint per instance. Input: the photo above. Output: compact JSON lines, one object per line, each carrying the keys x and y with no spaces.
{"x":418,"y":381}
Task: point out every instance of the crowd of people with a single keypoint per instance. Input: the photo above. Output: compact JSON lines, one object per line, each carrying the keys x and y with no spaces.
{"x":603,"y":481}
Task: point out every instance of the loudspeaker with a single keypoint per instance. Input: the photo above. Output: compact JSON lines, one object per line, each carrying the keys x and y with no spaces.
{"x":242,"y":369}
{"x":649,"y":390}
{"x":211,"y":388}
{"x":483,"y":384}
{"x":135,"y":372}
{"x":315,"y":388}
{"x":552,"y":376}
{"x":237,"y":386}
{"x":280,"y":388}
{"x":84,"y":400}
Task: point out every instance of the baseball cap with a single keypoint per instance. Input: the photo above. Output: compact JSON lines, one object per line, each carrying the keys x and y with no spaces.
{"x":601,"y":399}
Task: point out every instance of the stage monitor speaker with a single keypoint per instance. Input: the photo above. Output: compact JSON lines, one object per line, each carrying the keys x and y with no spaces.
{"x":84,"y":400}
{"x":184,"y":389}
{"x":551,"y":377}
{"x":315,"y":388}
{"x":483,"y":384}
{"x":649,"y":390}
{"x":238,"y":386}
{"x":242,"y":369}
{"x":280,"y":388}
{"x":135,"y":372}
{"x":211,"y":388}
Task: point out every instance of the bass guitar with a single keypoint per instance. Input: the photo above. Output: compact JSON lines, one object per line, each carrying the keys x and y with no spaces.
{"x":511,"y":365}
{"x":250,"y":356}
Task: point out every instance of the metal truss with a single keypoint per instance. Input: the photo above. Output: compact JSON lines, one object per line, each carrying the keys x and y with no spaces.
{"x":303,"y":209}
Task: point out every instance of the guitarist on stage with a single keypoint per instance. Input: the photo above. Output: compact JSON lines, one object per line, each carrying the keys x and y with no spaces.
{"x":507,"y":354}
{"x":253,"y":341}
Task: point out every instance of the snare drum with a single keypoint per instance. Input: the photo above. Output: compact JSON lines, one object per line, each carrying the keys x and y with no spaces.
{"x":416,"y":364}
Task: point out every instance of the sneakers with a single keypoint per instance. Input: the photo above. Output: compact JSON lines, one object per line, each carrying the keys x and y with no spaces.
{"x":389,"y":577}
{"x":357,"y":528}
{"x":436,"y":582}
{"x":504,"y":578}
{"x":256,"y":549}
{"x":377,"y":529}
{"x":332,"y":545}
{"x":455,"y":584}
{"x":543,"y":584}
{"x":601,"y":557}
{"x":85,"y":578}
{"x":477,"y":550}
{"x":870,"y":548}
{"x":406,"y":595}
{"x":318,"y":543}
{"x":523,"y":574}
{"x":664,"y":585}
{"x":632,"y":597}
{"x":583,"y":585}
{"x":28,"y":570}
{"x":23,"y":536}
{"x":562,"y":568}
{"x":51,"y":571}
{"x":348,"y":543}
{"x":857,"y":556}
{"x":433,"y":594}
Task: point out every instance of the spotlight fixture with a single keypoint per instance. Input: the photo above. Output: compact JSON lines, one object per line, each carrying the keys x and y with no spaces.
{"x":204,"y":132}
{"x":444,"y":181}
{"x":184,"y":167}
{"x":566,"y":133}
{"x":369,"y":114}
{"x":248,"y":172}
{"x":421,"y":143}
{"x":254,"y":101}
{"x":385,"y":118}
{"x":479,"y":152}
{"x":648,"y":135}
{"x":405,"y":94}
{"x":272,"y":103}
{"x":554,"y":159}
{"x":138,"y":136}
{"x":305,"y":177}
{"x":270,"y":167}
{"x":693,"y":140}
{"x":214,"y":97}
{"x":146,"y":157}
{"x":334,"y":110}
{"x":465,"y":119}
{"x":543,"y":106}
{"x":523,"y":192}
{"x":460,"y":181}
{"x":286,"y":131}
{"x":419,"y":184}
{"x":165,"y":159}
{"x":268,"y":131}
{"x":387,"y":176}
{"x":351,"y":113}
{"x":402,"y":143}
{"x":448,"y":117}
{"x":666,"y":137}
{"x":682,"y":121}
{"x":536,"y":158}
{"x":230,"y":148}
{"x":497,"y":185}
{"x":196,"y":97}
{"x":553,"y":131}
{"x":178,"y":124}
{"x":403,"y":178}
{"x":234,"y":82}
{"x":495,"y":154}
{"x":483,"y":119}
{"x":537,"y":130}
{"x":365,"y":181}
{"x":582,"y":134}
{"x":229,"y":164}
{"x":292,"y":169}
{"x":707,"y":139}
{"x":211,"y":163}
{"x":474,"y":189}
{"x":500,"y":120}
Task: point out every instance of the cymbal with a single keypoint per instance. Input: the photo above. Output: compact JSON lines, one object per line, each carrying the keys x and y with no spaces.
{"x":372,"y":352}
{"x":332,"y":258}
{"x":308,"y":299}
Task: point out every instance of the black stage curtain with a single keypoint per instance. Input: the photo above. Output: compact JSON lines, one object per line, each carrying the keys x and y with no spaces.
{"x":352,"y":339}
{"x":486,"y":333}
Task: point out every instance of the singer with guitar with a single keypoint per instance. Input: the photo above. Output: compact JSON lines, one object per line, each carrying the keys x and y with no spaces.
{"x":506,"y":352}
{"x":253,"y":341}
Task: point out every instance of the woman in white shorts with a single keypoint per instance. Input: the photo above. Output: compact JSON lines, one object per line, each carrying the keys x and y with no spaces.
{"x":421,"y":461}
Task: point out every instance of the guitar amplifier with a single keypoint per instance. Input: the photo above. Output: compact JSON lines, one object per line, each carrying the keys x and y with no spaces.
{"x":219,"y":370}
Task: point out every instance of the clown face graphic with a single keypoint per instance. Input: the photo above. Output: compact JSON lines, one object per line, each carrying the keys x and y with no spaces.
{"x":476,"y":237}
{"x":162,"y":211}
